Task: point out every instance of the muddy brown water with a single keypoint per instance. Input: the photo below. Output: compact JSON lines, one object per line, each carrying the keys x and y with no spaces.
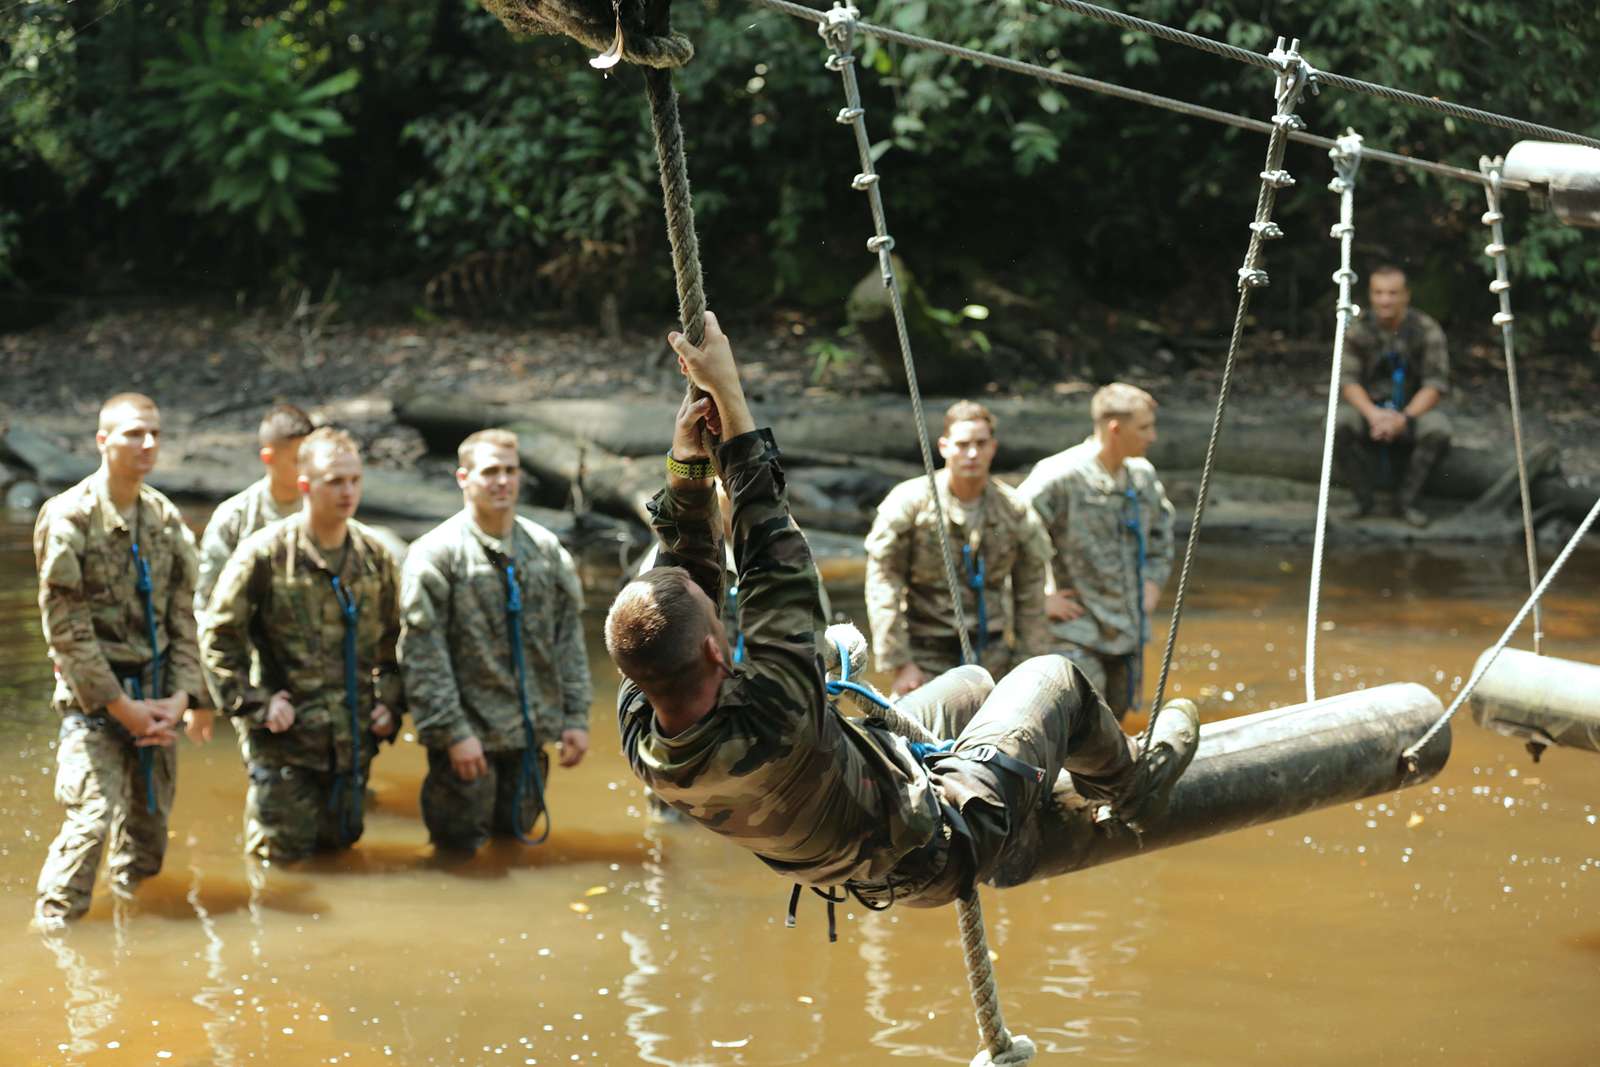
{"x":1457,"y":922}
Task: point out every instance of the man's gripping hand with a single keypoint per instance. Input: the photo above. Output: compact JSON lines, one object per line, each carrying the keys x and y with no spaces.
{"x":712,"y":368}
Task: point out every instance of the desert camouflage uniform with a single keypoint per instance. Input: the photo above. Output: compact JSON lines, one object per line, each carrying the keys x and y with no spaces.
{"x":275,"y":599}
{"x":95,"y":625}
{"x":1089,"y":515}
{"x":461,"y":680}
{"x":822,"y":799}
{"x":234,"y":519}
{"x":908,"y":599}
{"x":1371,"y":357}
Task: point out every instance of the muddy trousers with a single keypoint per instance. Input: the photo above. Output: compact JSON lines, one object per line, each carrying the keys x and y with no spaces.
{"x":101,"y":784}
{"x":1357,"y":458}
{"x":1111,"y":675}
{"x":1044,"y":718}
{"x":292,"y":812}
{"x":464,"y":815}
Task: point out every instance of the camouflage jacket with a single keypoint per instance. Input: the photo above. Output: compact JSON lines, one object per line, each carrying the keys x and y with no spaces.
{"x":1089,"y":515}
{"x":773,"y":767}
{"x":1373,"y":354}
{"x":907,"y":596}
{"x":455,"y":651}
{"x":275,"y":598}
{"x":94,"y":618}
{"x":234,"y":519}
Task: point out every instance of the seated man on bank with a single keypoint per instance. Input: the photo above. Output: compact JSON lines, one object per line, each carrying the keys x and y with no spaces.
{"x":757,"y":753}
{"x":1396,"y":370}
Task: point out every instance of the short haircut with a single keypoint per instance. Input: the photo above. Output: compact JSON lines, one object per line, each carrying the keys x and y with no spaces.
{"x":1119,"y":400}
{"x":967,"y":411}
{"x":1389,"y":268}
{"x":283,"y":422}
{"x":326,"y":440}
{"x":655,"y":628}
{"x":493,"y":438}
{"x":120,"y":402}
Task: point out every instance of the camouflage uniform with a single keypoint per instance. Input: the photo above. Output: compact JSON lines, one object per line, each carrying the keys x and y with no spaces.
{"x":234,"y":519}
{"x":908,"y":600}
{"x":826,"y":800}
{"x":275,"y":599}
{"x":94,"y":622}
{"x":1392,"y":367}
{"x":461,"y":680}
{"x":1096,"y":553}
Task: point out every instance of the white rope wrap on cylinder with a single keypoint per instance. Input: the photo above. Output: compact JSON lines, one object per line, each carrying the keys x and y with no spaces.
{"x":1346,"y":156}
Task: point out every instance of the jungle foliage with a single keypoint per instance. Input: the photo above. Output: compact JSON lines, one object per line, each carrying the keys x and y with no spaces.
{"x":233,"y":145}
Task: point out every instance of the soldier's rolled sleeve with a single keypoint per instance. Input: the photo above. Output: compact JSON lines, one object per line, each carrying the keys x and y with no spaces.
{"x":888,"y":547}
{"x":1436,"y":359}
{"x":689,"y":528}
{"x":425,"y":664}
{"x":68,"y":622}
{"x":388,"y":685}
{"x":1027,"y":586}
{"x":1160,"y":540}
{"x":183,"y":645}
{"x":225,"y":641}
{"x":780,"y":611}
{"x":572,"y":658}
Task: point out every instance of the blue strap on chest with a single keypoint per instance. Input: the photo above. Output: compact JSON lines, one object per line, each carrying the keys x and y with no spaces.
{"x":528,"y":774}
{"x":1134,"y":521}
{"x":972,"y":563}
{"x":738,"y":643}
{"x":146,"y":590}
{"x":355,"y":780}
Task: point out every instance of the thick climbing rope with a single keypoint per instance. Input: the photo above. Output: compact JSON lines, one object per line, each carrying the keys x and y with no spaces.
{"x":1137,"y":96}
{"x":1292,"y":73}
{"x":838,"y":30}
{"x":1409,"y":756}
{"x":1346,"y":157}
{"x":1501,"y":287}
{"x":1319,"y":78}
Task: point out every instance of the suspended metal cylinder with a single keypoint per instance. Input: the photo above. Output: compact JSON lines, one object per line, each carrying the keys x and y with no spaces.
{"x":1251,"y":770}
{"x":1541,"y":699}
{"x":1568,"y":175}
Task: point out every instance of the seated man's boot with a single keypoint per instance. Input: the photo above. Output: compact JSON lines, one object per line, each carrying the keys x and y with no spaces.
{"x":1173,"y":740}
{"x":1424,"y":455}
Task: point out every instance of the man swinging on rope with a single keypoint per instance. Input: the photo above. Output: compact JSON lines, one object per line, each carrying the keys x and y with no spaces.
{"x":756,"y":752}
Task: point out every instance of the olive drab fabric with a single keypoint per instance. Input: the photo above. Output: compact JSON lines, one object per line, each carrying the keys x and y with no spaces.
{"x":1094,"y":545}
{"x":454,"y":646}
{"x":908,"y":597}
{"x":234,"y":519}
{"x":275,"y":598}
{"x":1373,"y":355}
{"x":94,"y":619}
{"x":773,"y":767}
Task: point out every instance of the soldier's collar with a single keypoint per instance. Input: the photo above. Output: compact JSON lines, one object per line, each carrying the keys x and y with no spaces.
{"x":356,"y":559}
{"x":504,"y":548}
{"x":110,"y":516}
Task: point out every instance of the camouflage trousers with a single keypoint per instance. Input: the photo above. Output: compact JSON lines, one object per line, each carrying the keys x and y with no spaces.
{"x":293,"y":812}
{"x":935,"y":655}
{"x":1111,"y":675}
{"x":1011,"y":742}
{"x":464,"y":815}
{"x":100,"y":781}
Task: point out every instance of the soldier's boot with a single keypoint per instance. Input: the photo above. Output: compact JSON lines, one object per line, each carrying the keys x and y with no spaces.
{"x":1424,"y":455}
{"x":1354,"y":467}
{"x":1173,"y":739}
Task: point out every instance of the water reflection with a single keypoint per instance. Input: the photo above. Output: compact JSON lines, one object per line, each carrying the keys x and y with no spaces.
{"x":91,"y":1004}
{"x":212,"y":996}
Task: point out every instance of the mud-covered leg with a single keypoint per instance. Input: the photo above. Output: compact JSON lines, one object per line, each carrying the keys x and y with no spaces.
{"x":91,"y":774}
{"x":139,"y":838}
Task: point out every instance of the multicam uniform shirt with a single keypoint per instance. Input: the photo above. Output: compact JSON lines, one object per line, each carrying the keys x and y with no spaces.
{"x":1392,"y":366}
{"x":455,"y":645}
{"x":1089,"y":514}
{"x":234,"y":519}
{"x":94,"y":620}
{"x":773,"y":767}
{"x":908,"y":598}
{"x":276,"y":597}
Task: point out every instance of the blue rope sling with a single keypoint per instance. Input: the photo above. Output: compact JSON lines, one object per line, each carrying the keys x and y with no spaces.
{"x":975,"y":582}
{"x":529,"y":771}
{"x":146,"y":590}
{"x":350,"y":816}
{"x":1134,"y":522}
{"x":1395,"y":362}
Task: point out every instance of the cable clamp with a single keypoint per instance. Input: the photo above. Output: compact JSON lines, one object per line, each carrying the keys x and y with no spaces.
{"x":1253,"y":278}
{"x":839,"y":61}
{"x":1493,"y":218}
{"x":1277,"y":179}
{"x":1268,"y":231}
{"x":1291,"y":122}
{"x":1494,"y":250}
{"x":848,"y":115}
{"x":1344,"y":276}
{"x":1340,"y":186}
{"x":1341,"y":230}
{"x":1499,"y":285}
{"x":862,"y":182}
{"x":838,"y":28}
{"x":882,"y":243}
{"x":1349,"y":309}
{"x":1503,"y":318}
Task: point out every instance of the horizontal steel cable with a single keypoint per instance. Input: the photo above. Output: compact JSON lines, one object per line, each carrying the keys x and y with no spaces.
{"x":1137,"y":96}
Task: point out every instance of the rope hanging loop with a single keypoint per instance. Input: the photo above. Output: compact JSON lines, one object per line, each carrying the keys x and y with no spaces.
{"x":634,"y":31}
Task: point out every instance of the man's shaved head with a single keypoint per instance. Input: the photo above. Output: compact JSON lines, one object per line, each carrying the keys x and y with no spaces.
{"x":656,"y":628}
{"x":121,"y":406}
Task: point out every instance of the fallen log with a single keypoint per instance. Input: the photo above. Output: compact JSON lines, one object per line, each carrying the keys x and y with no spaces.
{"x":1253,"y":770}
